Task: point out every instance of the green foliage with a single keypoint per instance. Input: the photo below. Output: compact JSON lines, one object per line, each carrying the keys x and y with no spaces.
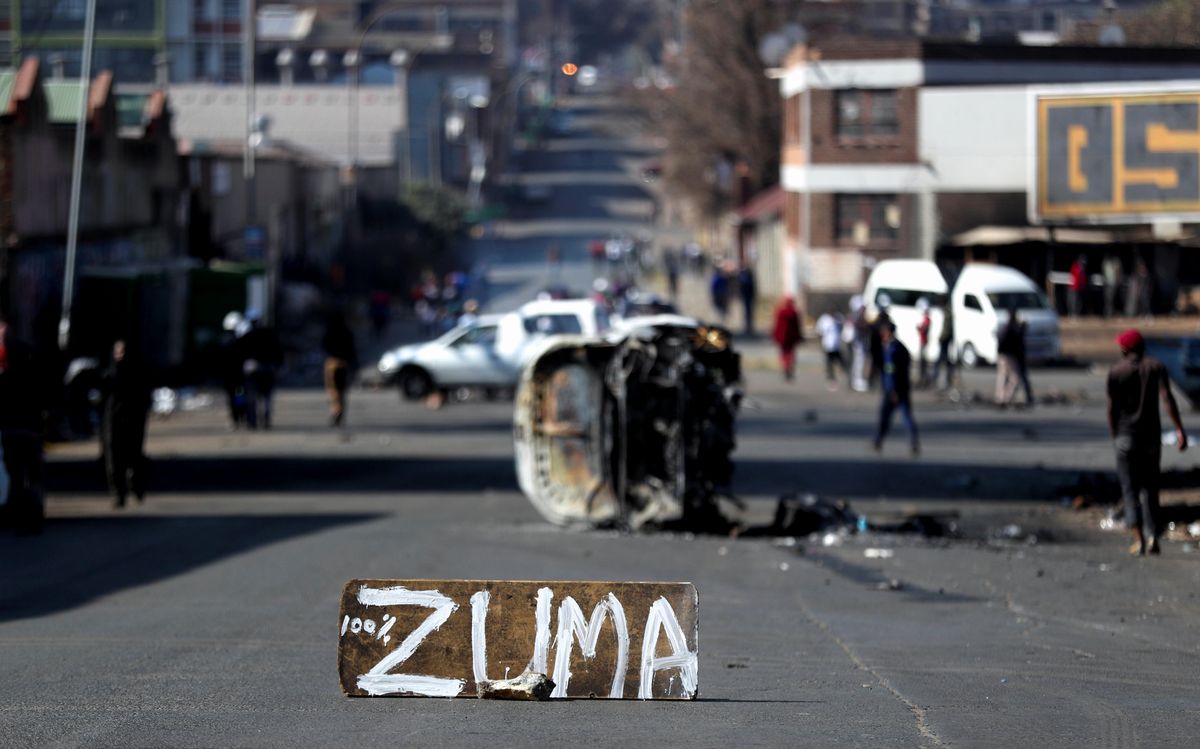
{"x":441,"y":208}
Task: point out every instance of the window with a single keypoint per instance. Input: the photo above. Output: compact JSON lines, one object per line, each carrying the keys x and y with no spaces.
{"x":200,"y":59}
{"x":909,"y":297}
{"x":231,"y":10}
{"x":231,"y":62}
{"x":863,"y":219}
{"x":867,"y":114}
{"x":970,"y":301}
{"x":553,"y":324}
{"x":73,"y":9}
{"x":1018,"y":299}
{"x":483,"y":335}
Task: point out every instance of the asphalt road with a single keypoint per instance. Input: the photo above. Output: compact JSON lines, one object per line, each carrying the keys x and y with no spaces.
{"x":208,"y":616}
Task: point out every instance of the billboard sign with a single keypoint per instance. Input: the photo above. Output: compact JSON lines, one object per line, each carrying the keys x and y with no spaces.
{"x":1121,"y":158}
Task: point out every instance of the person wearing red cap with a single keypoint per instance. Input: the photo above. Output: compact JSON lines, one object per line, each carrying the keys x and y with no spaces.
{"x":1135,"y":384}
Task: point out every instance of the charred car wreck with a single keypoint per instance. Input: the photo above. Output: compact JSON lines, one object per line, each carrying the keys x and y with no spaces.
{"x":630,"y":432}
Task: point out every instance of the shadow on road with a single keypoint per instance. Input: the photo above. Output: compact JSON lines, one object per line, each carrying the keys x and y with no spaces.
{"x":301,"y":474}
{"x":870,"y":478}
{"x":79,"y":560}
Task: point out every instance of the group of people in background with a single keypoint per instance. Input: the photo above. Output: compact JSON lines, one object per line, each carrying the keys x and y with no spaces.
{"x":862,"y":347}
{"x":1123,"y":293}
{"x":250,"y":358}
{"x":439,"y":304}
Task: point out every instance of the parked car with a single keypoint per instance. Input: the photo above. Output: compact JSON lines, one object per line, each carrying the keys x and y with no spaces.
{"x":904,"y":282}
{"x":981,"y":299}
{"x":487,"y":353}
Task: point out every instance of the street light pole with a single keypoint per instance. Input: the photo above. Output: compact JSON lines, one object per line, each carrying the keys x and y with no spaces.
{"x":248,"y":166}
{"x":85,"y":87}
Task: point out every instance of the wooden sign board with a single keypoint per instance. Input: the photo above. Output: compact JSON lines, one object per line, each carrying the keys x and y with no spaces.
{"x":458,"y":638}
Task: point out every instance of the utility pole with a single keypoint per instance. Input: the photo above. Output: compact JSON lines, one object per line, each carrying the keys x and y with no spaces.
{"x":85,"y":89}
{"x":248,"y":167}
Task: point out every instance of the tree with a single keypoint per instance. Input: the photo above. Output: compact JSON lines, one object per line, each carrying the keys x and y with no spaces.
{"x":723,"y":115}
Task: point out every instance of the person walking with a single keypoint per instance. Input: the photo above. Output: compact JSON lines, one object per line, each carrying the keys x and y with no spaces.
{"x":718,"y":288}
{"x":924,"y":325}
{"x":857,"y":335}
{"x":671,"y":266}
{"x":1011,"y":368}
{"x":1113,"y":272}
{"x":261,"y":355}
{"x":945,"y":356}
{"x":341,"y":359}
{"x":123,"y":431}
{"x":829,"y":328}
{"x":749,"y":293}
{"x":882,"y":319}
{"x":788,"y":334}
{"x":229,"y":365}
{"x":896,"y":382}
{"x":1135,"y":384}
{"x":1139,"y":293}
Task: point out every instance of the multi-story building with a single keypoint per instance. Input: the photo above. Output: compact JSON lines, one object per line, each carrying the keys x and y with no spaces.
{"x":130,"y":190}
{"x":901,"y":149}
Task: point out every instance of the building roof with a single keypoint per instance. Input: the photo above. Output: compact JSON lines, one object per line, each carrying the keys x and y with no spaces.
{"x":857,"y":48}
{"x":765,"y":204}
{"x":991,"y":236}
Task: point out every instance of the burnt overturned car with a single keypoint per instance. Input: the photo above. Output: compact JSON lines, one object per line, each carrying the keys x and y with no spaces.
{"x":633,"y":431}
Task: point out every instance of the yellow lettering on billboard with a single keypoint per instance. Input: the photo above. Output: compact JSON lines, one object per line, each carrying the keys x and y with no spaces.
{"x":1077,"y":140}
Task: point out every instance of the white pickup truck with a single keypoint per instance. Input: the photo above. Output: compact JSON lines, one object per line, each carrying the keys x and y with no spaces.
{"x":487,"y":353}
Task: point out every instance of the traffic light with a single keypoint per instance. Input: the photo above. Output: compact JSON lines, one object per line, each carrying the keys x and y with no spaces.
{"x":570,"y":68}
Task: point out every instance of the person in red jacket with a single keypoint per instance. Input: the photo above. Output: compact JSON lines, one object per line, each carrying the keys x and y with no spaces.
{"x":787,"y":335}
{"x":1078,"y":285}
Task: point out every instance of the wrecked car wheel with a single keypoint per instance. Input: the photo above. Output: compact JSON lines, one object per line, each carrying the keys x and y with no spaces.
{"x":968,"y":357}
{"x":415,"y":384}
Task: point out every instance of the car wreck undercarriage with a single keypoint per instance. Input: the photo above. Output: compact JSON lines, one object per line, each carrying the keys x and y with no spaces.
{"x":636,"y":433}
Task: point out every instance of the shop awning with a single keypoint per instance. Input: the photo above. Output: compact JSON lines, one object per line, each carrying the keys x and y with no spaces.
{"x":991,"y":236}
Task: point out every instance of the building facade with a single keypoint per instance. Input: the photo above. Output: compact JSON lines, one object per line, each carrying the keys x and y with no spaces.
{"x":893,"y":149}
{"x":130,"y":190}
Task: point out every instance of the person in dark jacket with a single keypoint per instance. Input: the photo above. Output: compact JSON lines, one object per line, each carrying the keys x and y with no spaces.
{"x":1136,"y":384}
{"x":123,"y":431}
{"x":748,"y":290}
{"x":261,"y":356}
{"x":718,"y":289}
{"x":1011,"y":364}
{"x":20,"y":434}
{"x":882,"y":319}
{"x":896,"y":380}
{"x":341,"y":359}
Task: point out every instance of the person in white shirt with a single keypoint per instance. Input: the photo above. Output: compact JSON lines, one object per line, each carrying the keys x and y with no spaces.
{"x":829,"y":328}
